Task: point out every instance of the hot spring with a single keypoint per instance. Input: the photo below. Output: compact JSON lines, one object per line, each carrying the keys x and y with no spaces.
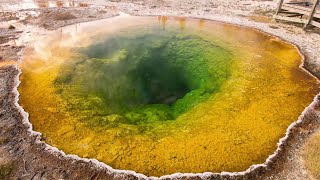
{"x":160,"y":95}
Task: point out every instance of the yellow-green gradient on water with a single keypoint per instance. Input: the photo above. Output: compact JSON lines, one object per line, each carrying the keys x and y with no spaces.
{"x":160,"y":95}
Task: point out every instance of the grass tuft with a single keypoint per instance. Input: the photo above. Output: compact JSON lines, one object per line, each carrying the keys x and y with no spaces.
{"x":311,"y":155}
{"x":5,"y":170}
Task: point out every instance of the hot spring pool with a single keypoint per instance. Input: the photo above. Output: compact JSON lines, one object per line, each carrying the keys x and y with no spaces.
{"x":160,"y":95}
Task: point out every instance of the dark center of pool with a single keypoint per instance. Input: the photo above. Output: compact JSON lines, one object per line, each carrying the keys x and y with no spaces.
{"x":145,"y":77}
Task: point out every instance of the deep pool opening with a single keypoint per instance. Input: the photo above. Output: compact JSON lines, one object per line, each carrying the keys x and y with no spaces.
{"x":157,"y":82}
{"x":144,"y":77}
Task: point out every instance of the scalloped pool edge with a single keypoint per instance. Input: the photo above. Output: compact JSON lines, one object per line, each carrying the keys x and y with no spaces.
{"x":277,"y":153}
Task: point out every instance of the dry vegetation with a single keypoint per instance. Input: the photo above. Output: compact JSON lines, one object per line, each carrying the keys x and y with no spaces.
{"x":311,"y":155}
{"x":6,"y":165}
{"x":5,"y":170}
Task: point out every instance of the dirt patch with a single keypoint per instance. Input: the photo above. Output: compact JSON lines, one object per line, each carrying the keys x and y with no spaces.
{"x":53,"y":18}
{"x":7,"y":34}
{"x":9,"y":53}
{"x":64,"y":16}
{"x":8,"y":16}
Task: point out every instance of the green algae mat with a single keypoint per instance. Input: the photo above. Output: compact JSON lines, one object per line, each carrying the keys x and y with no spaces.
{"x":160,"y":95}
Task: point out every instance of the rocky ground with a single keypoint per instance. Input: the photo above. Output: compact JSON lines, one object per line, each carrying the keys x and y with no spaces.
{"x":23,"y":156}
